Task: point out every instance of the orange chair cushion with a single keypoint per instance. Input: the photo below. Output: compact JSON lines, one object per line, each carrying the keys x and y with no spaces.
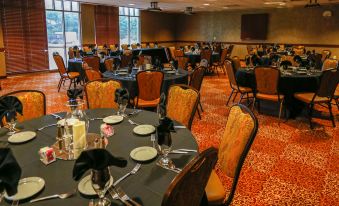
{"x":101,"y":94}
{"x":238,"y":130}
{"x":307,"y":98}
{"x":72,"y":75}
{"x":146,"y":103}
{"x":214,"y":189}
{"x":33,"y":105}
{"x":270,"y":97}
{"x":242,"y":89}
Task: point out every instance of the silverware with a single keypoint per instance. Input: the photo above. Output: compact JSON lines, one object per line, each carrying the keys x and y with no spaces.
{"x":134,"y":113}
{"x":50,"y":125}
{"x":179,"y":127}
{"x":171,"y":168}
{"x":178,"y":152}
{"x":153,"y":140}
{"x":61,"y":196}
{"x":15,"y":203}
{"x":97,"y":118}
{"x":132,"y":122}
{"x":186,"y":150}
{"x":115,"y":196}
{"x":125,"y":197}
{"x":57,"y":116}
{"x":132,"y":172}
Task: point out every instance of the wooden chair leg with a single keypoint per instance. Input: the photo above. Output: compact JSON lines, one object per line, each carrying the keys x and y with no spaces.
{"x":310,"y":111}
{"x":241,"y":96}
{"x":235,"y":96}
{"x":280,"y":108}
{"x":229,"y":98}
{"x":60,"y":83}
{"x":331,"y":114}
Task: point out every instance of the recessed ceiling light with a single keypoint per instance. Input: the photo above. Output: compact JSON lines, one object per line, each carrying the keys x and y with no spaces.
{"x":225,"y":7}
{"x":131,"y":4}
{"x":206,"y":4}
{"x":280,"y":3}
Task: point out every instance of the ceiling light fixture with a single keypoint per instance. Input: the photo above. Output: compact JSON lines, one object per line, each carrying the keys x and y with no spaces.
{"x":154,"y":7}
{"x":131,"y":4}
{"x":279,"y":3}
{"x":311,"y":4}
{"x":206,"y":4}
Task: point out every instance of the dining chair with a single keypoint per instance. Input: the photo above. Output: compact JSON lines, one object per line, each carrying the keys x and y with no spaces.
{"x":124,"y":46}
{"x":267,"y":86}
{"x":328,"y":83}
{"x":206,"y":54}
{"x":178,"y":53}
{"x":109,"y":64}
{"x":230,"y":50}
{"x":289,"y":58}
{"x":71,"y":54}
{"x":235,"y":63}
{"x":196,"y":80}
{"x":64,"y":75}
{"x":93,"y":62}
{"x":172,"y":50}
{"x":188,"y":187}
{"x":134,"y":46}
{"x":182,"y":103}
{"x":126,"y":60}
{"x":325,"y":54}
{"x":183,"y":62}
{"x":100,"y":93}
{"x":330,"y":64}
{"x":234,"y":84}
{"x":143,"y":45}
{"x":336,"y":97}
{"x":33,"y":103}
{"x":149,"y":85}
{"x":240,"y":132}
{"x":299,"y":50}
{"x":151,"y":45}
{"x":221,"y":62}
{"x":92,"y":74}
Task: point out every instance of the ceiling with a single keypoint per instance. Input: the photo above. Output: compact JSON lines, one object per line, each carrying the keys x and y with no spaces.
{"x":209,"y":5}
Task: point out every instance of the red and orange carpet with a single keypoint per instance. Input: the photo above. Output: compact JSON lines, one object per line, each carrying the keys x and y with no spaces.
{"x":288,"y":164}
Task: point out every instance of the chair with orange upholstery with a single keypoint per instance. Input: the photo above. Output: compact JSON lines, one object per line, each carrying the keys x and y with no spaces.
{"x":182,"y":103}
{"x":151,"y":45}
{"x":234,"y":84}
{"x":241,"y":129}
{"x":172,"y":50}
{"x":325,"y":54}
{"x":183,"y":62}
{"x":64,"y":75}
{"x":33,"y":104}
{"x":109,"y":64}
{"x":92,"y":74}
{"x":328,"y":83}
{"x":93,"y":62}
{"x":267,"y":82}
{"x":221,"y":62}
{"x":100,"y":93}
{"x":299,"y":50}
{"x":329,"y":64}
{"x":126,"y":60}
{"x":187,"y":188}
{"x":124,"y":46}
{"x":178,"y":53}
{"x":196,"y":80}
{"x":149,"y":88}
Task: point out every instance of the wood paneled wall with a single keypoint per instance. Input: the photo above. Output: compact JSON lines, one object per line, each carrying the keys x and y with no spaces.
{"x":88,"y":23}
{"x":106,"y":25}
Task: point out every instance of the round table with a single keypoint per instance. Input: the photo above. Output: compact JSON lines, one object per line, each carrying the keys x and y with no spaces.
{"x":130,"y":82}
{"x":288,"y":85}
{"x":147,"y":186}
{"x":196,"y":58}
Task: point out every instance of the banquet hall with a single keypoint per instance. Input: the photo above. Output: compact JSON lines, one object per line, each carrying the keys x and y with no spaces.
{"x":169,"y":102}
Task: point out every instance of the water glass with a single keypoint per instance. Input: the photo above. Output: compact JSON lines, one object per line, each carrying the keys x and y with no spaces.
{"x":100,"y":182}
{"x":11,"y":121}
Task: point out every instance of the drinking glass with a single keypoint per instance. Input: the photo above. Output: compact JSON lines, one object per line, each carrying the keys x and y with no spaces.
{"x":160,"y":112}
{"x":11,"y":121}
{"x":100,"y":182}
{"x":164,"y":148}
{"x":122,"y":106}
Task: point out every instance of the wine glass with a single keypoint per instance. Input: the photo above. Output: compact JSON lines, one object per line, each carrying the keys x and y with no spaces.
{"x":11,"y":121}
{"x":101,"y":180}
{"x":164,"y":148}
{"x":160,"y":112}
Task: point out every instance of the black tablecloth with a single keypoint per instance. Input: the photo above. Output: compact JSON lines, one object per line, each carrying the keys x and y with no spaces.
{"x":131,"y":84}
{"x":76,"y":66}
{"x":196,"y":58}
{"x":148,"y":185}
{"x":288,"y":85}
{"x":153,"y":52}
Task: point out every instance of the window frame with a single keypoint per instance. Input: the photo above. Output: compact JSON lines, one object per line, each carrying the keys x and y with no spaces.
{"x":129,"y":22}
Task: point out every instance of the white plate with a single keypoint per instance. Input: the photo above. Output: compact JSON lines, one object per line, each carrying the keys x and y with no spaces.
{"x":22,"y":137}
{"x":170,"y":72}
{"x":114,"y":119}
{"x":122,"y":73}
{"x":70,"y":122}
{"x":122,"y":70}
{"x":167,"y":69}
{"x":144,"y":129}
{"x":27,"y":187}
{"x":142,"y":154}
{"x":85,"y":186}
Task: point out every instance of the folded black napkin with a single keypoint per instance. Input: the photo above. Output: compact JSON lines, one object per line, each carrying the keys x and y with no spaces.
{"x":121,"y":95}
{"x":164,"y":130}
{"x":74,"y":94}
{"x":97,"y":159}
{"x":10,"y":172}
{"x":10,"y":104}
{"x":162,"y":106}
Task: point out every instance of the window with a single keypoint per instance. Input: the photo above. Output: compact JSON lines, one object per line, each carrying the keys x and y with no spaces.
{"x":129,"y":25}
{"x":63,"y":27}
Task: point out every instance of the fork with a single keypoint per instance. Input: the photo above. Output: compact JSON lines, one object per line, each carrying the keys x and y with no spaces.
{"x":115,"y":195}
{"x":132,"y":122}
{"x":15,"y":203}
{"x":153,"y":140}
{"x":50,"y":125}
{"x":122,"y":195}
{"x":132,"y":172}
{"x":61,"y":196}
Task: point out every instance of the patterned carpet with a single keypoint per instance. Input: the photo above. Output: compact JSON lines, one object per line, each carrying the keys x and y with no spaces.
{"x":288,"y":164}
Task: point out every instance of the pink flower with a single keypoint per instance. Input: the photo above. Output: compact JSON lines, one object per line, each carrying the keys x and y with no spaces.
{"x":106,"y":130}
